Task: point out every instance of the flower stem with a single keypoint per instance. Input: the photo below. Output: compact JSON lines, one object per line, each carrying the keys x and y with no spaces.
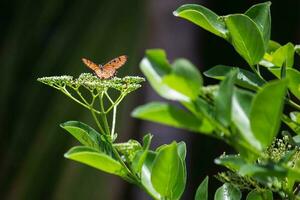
{"x":103,"y":114}
{"x":113,"y":121}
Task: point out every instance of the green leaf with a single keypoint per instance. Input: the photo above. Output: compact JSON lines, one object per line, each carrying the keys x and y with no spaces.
{"x":167,"y":114}
{"x":244,"y":78}
{"x":228,"y":192}
{"x":202,"y":191}
{"x":293,"y":77}
{"x":260,"y":195}
{"x":98,"y":160}
{"x":165,"y":166}
{"x":295,"y":126}
{"x":223,"y":99}
{"x":202,"y":17}
{"x":184,"y":78}
{"x":266,"y":111}
{"x":232,"y":162}
{"x":181,"y":147}
{"x":180,"y":182}
{"x":155,"y":66}
{"x":146,"y":174}
{"x":260,"y":14}
{"x":273,"y":46}
{"x":83,"y":133}
{"x":283,"y":55}
{"x":264,"y":173}
{"x":140,"y":156}
{"x":245,"y":37}
{"x":241,"y":103}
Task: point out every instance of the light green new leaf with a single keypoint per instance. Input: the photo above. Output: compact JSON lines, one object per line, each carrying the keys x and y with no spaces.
{"x":202,"y":191}
{"x":98,"y":160}
{"x":167,"y":114}
{"x":244,"y":78}
{"x":260,"y":195}
{"x":266,"y":111}
{"x":283,"y":55}
{"x":224,"y":97}
{"x":203,"y":17}
{"x":140,"y":156}
{"x":261,"y":15}
{"x":245,"y":37}
{"x":83,"y":133}
{"x":155,"y":66}
{"x":228,"y":192}
{"x":184,"y":78}
{"x":164,"y":169}
{"x":273,"y":46}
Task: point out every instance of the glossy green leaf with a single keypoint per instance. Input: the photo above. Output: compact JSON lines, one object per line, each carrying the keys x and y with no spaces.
{"x":266,"y":111}
{"x":241,"y":104}
{"x":244,"y":78}
{"x":184,"y":78}
{"x":165,"y":165}
{"x":167,"y":114}
{"x":203,"y":17}
{"x":154,"y":66}
{"x":146,"y":174}
{"x":260,"y":195}
{"x":180,"y":182}
{"x":98,"y":160}
{"x":261,"y":15}
{"x":228,"y":192}
{"x":245,"y":37}
{"x":232,"y":162}
{"x":83,"y":133}
{"x":202,"y":191}
{"x":224,"y":97}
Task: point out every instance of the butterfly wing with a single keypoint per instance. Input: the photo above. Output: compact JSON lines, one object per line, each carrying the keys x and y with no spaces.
{"x":93,"y":66}
{"x":109,"y":69}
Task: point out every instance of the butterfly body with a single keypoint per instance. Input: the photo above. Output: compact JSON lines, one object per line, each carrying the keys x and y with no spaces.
{"x":109,"y":69}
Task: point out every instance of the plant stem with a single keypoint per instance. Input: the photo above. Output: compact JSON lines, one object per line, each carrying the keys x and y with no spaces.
{"x":120,"y":98}
{"x":95,"y":117}
{"x":103,"y":114}
{"x":113,"y":121}
{"x":65,"y":91}
{"x":293,"y":104}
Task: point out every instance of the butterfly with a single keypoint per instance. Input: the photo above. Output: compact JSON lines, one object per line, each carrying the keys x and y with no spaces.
{"x":109,"y":69}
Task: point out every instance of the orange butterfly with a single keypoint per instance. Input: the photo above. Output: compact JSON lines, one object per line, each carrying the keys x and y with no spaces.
{"x":109,"y":69}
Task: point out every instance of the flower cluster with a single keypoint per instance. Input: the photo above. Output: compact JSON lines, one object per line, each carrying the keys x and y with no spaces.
{"x":91,"y":82}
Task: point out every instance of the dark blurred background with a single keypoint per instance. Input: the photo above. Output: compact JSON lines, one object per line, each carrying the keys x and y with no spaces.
{"x":44,"y":38}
